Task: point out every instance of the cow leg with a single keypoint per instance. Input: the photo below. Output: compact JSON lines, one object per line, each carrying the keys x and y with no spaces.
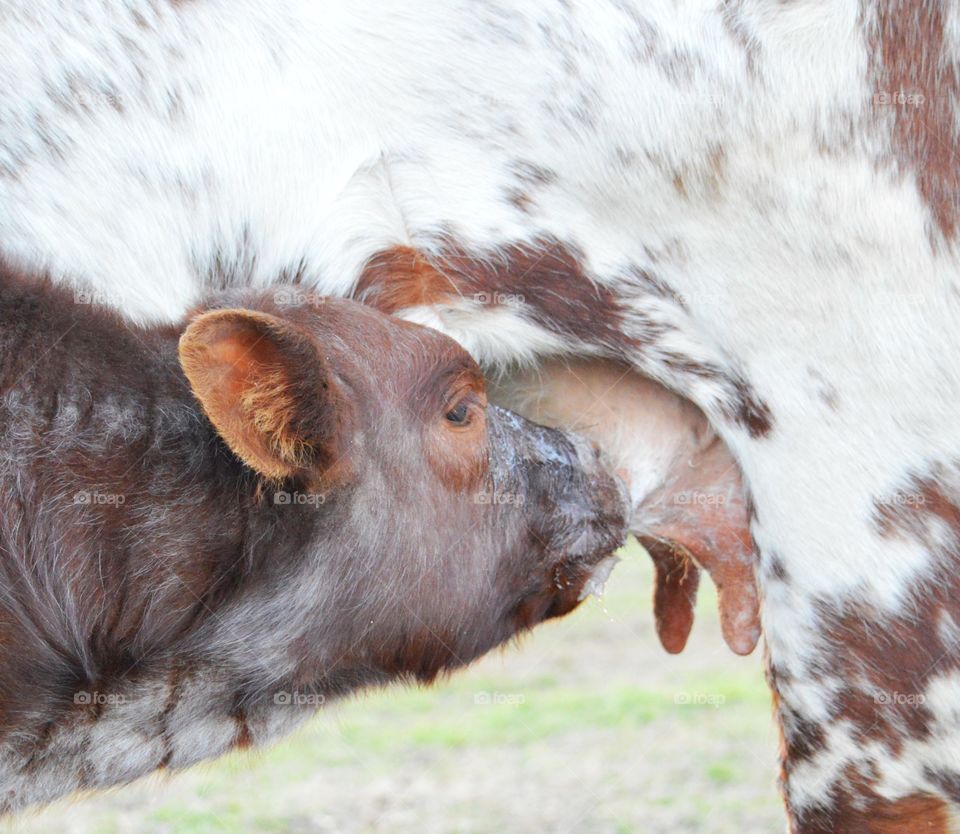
{"x":861,"y":616}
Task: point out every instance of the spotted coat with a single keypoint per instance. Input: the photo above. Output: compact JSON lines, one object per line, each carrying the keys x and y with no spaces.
{"x":750,"y":209}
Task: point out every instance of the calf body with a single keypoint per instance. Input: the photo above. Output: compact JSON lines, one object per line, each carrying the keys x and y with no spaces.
{"x":752,"y":204}
{"x":332,"y":506}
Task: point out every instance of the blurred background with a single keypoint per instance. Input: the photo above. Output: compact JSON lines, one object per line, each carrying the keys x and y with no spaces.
{"x":586,"y":726}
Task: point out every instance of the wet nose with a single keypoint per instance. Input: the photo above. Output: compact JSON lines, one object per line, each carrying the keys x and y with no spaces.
{"x":610,"y":490}
{"x":566,"y":474}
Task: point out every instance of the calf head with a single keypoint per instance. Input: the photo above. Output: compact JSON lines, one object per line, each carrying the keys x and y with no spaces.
{"x":435,"y":526}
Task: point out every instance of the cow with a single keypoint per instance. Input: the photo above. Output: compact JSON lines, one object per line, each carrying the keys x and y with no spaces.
{"x":208,"y":531}
{"x":743,"y":215}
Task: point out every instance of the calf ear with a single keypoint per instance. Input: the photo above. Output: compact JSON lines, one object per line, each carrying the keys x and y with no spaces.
{"x":262,"y":384}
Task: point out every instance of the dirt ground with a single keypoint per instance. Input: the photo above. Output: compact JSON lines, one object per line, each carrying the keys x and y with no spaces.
{"x":587,"y":726}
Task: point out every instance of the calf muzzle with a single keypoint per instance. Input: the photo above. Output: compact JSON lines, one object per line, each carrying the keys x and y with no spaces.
{"x":576,"y":509}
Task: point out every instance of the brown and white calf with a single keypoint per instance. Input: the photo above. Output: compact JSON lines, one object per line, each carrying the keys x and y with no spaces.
{"x":334,"y":505}
{"x":748,"y":211}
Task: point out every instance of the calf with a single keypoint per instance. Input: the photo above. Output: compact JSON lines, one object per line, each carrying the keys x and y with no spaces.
{"x":196,"y":550}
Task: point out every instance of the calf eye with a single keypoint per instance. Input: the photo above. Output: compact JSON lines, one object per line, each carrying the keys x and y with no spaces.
{"x":460,"y":415}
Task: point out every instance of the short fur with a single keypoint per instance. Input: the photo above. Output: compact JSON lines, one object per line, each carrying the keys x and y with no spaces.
{"x":161,"y":602}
